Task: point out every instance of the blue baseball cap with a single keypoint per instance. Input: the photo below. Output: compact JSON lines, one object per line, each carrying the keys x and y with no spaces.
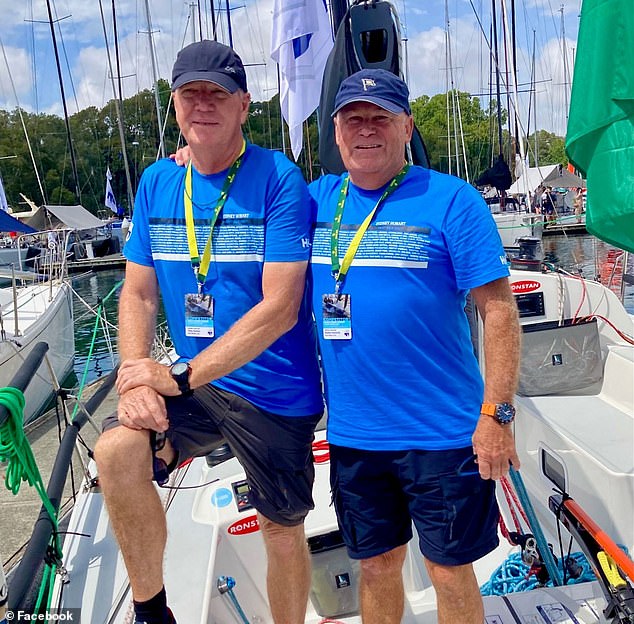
{"x":377,"y":86}
{"x":212,"y":62}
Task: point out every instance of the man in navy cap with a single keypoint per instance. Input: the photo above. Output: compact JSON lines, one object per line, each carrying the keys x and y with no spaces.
{"x":415,"y":434}
{"x":247,"y":370}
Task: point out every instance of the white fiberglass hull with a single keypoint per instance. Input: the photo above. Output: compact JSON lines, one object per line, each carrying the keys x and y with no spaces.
{"x":44,"y":313}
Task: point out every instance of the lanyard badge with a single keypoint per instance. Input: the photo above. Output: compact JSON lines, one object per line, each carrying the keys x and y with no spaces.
{"x":337,"y":306}
{"x":199,"y":307}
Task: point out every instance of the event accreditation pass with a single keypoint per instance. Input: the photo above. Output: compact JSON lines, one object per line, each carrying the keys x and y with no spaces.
{"x":199,"y":315}
{"x":337,"y":319}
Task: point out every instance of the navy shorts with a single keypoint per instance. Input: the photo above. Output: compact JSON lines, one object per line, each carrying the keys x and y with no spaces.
{"x":377,"y":495}
{"x":275,"y":451}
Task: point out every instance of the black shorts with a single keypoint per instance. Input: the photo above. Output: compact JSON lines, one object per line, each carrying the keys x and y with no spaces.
{"x":377,"y":495}
{"x":275,"y":451}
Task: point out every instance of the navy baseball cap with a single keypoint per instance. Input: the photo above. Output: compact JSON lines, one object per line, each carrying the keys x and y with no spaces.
{"x":210,"y":61}
{"x":377,"y":86}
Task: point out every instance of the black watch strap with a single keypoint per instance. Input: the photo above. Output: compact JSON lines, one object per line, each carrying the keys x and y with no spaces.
{"x":180,"y":374}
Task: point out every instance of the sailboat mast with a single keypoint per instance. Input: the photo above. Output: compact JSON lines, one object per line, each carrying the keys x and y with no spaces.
{"x":118,"y":101}
{"x":497,"y":77}
{"x":229,"y":31}
{"x":66,"y":119}
{"x":26,"y":134}
{"x":449,"y":168}
{"x":565,"y":55}
{"x":157,"y":101}
{"x":212,"y":8}
{"x":338,"y":10}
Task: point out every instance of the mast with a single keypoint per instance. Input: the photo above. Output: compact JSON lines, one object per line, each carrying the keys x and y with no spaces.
{"x":155,"y":75}
{"x":519,"y":141}
{"x":66,"y":119}
{"x":118,"y":100}
{"x":26,"y":134}
{"x":230,"y":32}
{"x":565,"y":55}
{"x":213,"y":19}
{"x":447,"y":62}
{"x":338,"y":9}
{"x":497,"y":78}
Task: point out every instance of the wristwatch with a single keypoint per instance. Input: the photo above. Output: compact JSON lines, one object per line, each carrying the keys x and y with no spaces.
{"x":180,"y":374}
{"x":504,"y":413}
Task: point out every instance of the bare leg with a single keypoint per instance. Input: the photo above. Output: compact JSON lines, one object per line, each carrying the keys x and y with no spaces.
{"x":124,"y":460}
{"x":288,"y":571}
{"x":381,"y":590}
{"x":457,"y":594}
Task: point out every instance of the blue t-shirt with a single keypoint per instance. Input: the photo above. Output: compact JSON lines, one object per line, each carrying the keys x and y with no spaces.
{"x":408,"y":378}
{"x":266,"y":218}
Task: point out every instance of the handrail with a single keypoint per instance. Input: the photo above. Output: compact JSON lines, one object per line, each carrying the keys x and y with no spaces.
{"x":22,"y":581}
{"x":26,"y":372}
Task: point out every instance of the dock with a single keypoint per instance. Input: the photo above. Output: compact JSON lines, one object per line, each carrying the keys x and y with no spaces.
{"x":19,"y":512}
{"x":104,"y":263}
{"x":565,"y":225}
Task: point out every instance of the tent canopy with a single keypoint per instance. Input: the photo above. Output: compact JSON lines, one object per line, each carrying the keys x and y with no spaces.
{"x":74,"y":217}
{"x":9,"y":223}
{"x":531,"y":179}
{"x":564,"y":179}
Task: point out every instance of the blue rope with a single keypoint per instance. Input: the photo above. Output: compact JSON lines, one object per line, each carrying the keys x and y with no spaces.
{"x":230,"y":583}
{"x":512,"y":576}
{"x":542,"y":544}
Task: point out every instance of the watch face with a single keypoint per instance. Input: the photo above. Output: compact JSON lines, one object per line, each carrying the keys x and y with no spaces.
{"x":505,"y":413}
{"x":180,"y":368}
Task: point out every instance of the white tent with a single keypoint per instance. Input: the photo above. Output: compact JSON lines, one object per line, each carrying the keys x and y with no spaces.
{"x":531,"y":179}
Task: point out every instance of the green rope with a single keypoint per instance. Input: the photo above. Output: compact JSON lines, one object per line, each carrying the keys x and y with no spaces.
{"x":82,"y":384}
{"x":21,"y":466}
{"x":15,"y":449}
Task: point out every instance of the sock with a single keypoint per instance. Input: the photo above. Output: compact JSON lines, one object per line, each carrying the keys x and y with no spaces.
{"x":154,"y":610}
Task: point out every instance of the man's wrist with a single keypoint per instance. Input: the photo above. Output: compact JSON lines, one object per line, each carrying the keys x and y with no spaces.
{"x":502,"y":413}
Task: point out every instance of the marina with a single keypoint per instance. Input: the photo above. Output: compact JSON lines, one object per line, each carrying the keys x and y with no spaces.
{"x":565,"y":523}
{"x":17,"y":513}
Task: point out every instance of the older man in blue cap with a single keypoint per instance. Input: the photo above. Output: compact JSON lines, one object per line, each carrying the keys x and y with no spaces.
{"x":415,"y":434}
{"x":248,"y":370}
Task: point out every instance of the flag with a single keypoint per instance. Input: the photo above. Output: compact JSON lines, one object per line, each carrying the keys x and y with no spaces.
{"x":300,"y":44}
{"x":110,"y":201}
{"x":3,"y":198}
{"x":600,"y":136}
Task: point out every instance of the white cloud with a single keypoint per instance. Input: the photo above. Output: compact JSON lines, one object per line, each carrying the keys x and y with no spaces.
{"x":15,"y":74}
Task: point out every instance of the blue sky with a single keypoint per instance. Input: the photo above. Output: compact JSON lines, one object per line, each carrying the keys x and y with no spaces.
{"x":26,"y":38}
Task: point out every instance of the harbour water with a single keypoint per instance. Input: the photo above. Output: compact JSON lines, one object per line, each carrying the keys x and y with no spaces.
{"x":578,"y":254}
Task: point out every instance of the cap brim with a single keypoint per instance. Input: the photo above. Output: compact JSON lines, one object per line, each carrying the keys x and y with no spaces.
{"x":222,"y":80}
{"x":391,"y":107}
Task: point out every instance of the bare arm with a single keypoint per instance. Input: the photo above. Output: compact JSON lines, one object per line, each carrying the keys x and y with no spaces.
{"x":494,"y":443}
{"x":261,"y":326}
{"x":140,"y":407}
{"x":138,"y":306}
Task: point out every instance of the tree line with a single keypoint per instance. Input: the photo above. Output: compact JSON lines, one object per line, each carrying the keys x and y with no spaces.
{"x":97,"y":147}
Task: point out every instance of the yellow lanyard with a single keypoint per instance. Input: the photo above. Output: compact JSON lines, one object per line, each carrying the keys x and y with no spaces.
{"x":201,"y":266}
{"x":339,"y":271}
